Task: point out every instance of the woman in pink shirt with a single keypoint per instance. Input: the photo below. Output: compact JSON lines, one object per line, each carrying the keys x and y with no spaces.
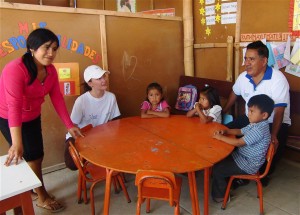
{"x":24,"y":83}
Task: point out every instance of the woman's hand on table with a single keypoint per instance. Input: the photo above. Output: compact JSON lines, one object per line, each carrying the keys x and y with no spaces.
{"x":15,"y":153}
{"x":75,"y":132}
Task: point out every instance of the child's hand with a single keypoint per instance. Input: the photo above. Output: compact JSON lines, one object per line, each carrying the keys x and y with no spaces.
{"x":217,"y":136}
{"x":221,"y":132}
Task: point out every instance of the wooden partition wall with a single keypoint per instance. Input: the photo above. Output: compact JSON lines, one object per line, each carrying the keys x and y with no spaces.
{"x":136,"y":49}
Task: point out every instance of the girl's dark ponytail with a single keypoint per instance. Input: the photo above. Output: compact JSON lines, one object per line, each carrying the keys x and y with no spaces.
{"x":30,"y":65}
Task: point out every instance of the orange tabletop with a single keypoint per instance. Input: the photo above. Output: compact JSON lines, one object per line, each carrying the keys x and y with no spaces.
{"x":177,"y":144}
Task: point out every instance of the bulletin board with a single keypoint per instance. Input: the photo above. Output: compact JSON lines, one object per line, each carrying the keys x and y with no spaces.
{"x":79,"y":43}
{"x":213,"y":23}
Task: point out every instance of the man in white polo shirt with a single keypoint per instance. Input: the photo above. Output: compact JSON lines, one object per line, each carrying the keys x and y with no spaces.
{"x":259,"y":78}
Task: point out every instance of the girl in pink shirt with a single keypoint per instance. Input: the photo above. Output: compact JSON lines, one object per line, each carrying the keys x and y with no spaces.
{"x":24,"y":83}
{"x":154,"y":105}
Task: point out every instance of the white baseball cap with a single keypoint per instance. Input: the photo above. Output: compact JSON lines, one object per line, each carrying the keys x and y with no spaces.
{"x":93,"y":71}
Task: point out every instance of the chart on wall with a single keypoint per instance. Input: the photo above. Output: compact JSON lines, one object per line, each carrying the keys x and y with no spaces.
{"x":68,"y":75}
{"x":216,"y":12}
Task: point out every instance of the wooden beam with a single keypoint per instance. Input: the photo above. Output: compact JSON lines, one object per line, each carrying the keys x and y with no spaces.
{"x":188,"y":35}
{"x":42,"y":8}
{"x":229,"y":58}
{"x":210,"y":45}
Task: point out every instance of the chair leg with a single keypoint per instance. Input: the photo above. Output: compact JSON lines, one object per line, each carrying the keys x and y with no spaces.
{"x":115,"y":183}
{"x":148,"y":205}
{"x":124,"y":188}
{"x":92,"y":198}
{"x":227,"y":193}
{"x":138,"y":207}
{"x":84,"y":191}
{"x":177,"y":209}
{"x":123,"y":177}
{"x":79,"y":189}
{"x":260,"y":195}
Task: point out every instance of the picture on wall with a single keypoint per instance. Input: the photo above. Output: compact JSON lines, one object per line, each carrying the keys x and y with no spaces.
{"x":126,"y":6}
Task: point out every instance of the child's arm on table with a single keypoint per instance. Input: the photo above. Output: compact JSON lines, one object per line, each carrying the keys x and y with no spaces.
{"x":151,"y":114}
{"x":202,"y":116}
{"x":191,"y":113}
{"x":219,"y":135}
{"x":165,"y":113}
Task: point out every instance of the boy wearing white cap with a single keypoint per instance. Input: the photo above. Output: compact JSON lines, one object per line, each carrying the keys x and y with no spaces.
{"x":96,"y":106}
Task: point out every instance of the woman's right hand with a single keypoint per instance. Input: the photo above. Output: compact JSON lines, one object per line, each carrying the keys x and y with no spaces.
{"x":15,"y":153}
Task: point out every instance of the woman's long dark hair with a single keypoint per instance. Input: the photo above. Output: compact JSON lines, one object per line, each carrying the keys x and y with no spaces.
{"x":35,"y":39}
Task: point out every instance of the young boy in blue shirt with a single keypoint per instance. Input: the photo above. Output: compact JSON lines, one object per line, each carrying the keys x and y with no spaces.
{"x":251,"y":149}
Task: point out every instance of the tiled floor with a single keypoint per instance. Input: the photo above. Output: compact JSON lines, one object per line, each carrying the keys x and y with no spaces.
{"x":281,"y":197}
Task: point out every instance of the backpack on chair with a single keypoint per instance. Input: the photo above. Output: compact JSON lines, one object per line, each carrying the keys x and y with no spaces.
{"x":187,"y":97}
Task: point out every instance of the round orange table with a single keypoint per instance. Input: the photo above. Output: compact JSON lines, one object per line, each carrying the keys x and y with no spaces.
{"x":177,"y":144}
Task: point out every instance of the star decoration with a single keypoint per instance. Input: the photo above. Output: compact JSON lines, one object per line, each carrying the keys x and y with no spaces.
{"x":218,"y":6}
{"x":218,"y":18}
{"x":201,"y":1}
{"x":207,"y":31}
{"x":203,"y":21}
{"x":202,"y":11}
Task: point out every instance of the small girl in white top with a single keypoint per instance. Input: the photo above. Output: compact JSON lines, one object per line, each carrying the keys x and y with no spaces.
{"x":154,"y":105}
{"x":208,"y":107}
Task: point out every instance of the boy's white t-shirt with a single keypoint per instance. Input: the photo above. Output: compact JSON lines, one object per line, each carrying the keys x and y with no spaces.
{"x":96,"y":111}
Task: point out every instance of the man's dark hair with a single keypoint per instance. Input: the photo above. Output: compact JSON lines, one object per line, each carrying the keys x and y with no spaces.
{"x":263,"y":102}
{"x":261,"y":48}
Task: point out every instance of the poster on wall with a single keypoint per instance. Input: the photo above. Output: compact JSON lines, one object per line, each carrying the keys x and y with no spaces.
{"x":126,"y":6}
{"x":68,"y":76}
{"x":217,"y":12}
{"x":294,"y":18}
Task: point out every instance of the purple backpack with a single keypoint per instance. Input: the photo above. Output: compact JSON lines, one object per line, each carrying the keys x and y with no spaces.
{"x":186,"y":98}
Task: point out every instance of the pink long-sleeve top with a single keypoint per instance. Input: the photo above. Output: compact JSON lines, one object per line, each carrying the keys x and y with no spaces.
{"x":20,"y":102}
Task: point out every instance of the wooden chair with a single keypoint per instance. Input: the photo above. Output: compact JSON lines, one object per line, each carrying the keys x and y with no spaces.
{"x":157,"y":185}
{"x":89,"y":172}
{"x":255,"y":177}
{"x":84,"y":131}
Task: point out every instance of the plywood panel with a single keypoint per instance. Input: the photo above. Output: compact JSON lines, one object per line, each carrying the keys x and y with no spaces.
{"x":265,"y":16}
{"x":141,"y":51}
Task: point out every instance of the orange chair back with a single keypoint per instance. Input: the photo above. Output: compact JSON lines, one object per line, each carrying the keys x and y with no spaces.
{"x":96,"y":173}
{"x":256,"y":177}
{"x":156,"y":179}
{"x":269,"y":158}
{"x":76,"y":158}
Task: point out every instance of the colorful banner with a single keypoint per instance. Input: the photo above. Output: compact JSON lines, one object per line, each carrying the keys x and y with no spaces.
{"x":278,"y":36}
